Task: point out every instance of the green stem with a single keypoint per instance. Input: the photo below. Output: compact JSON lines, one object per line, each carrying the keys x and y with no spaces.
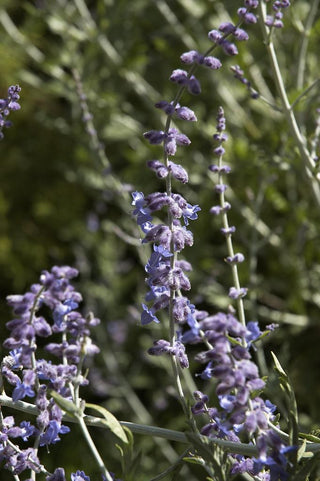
{"x":234,"y":267}
{"x":298,"y":138}
{"x":93,"y":448}
{"x":170,"y":434}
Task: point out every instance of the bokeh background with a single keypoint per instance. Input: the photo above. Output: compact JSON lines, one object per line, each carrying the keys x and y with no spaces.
{"x":65,"y":194}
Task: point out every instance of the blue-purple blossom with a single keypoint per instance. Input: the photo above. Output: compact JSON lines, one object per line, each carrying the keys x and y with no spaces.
{"x":7,"y":105}
{"x":51,"y":434}
{"x":32,"y":377}
{"x":142,"y":213}
{"x":238,"y":380}
{"x":58,"y":475}
{"x":235,"y":293}
{"x":21,"y":391}
{"x":171,"y":139}
{"x":275,"y":19}
{"x":236,"y":259}
{"x":182,"y":112}
{"x":228,"y":230}
{"x":62,"y":309}
{"x":217,"y":209}
{"x":195,"y":57}
{"x":181,"y":78}
{"x":79,"y":476}
{"x":148,"y":315}
{"x":164,"y":347}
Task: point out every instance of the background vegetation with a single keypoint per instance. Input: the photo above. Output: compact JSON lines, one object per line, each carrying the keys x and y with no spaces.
{"x":65,"y":199}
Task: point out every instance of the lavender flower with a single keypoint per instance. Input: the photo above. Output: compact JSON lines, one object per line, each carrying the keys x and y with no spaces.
{"x":275,"y":20}
{"x":171,"y":139}
{"x":177,"y":349}
{"x":229,"y":362}
{"x":8,"y":105}
{"x":79,"y":476}
{"x":58,"y":475}
{"x":34,"y":377}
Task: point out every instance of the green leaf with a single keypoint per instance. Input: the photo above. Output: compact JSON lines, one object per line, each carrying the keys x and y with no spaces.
{"x":278,"y":366}
{"x":110,"y":421}
{"x":288,"y":390}
{"x":195,"y":460}
{"x":67,"y":406}
{"x":309,"y":437}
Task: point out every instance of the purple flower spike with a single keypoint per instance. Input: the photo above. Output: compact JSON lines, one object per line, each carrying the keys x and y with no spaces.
{"x":7,"y":105}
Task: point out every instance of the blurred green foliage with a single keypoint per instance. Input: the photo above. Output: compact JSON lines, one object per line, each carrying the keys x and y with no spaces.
{"x":60,"y":203}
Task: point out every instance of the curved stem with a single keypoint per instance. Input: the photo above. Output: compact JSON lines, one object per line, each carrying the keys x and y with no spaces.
{"x":298,"y":138}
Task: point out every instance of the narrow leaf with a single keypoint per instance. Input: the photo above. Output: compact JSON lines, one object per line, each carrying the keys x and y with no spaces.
{"x":291,"y":401}
{"x":110,"y":421}
{"x":309,"y":437}
{"x":195,"y":460}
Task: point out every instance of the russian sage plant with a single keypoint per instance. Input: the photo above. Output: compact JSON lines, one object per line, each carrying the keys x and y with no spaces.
{"x":232,"y":427}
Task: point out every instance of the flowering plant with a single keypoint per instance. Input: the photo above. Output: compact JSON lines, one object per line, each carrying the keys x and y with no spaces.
{"x":232,"y":428}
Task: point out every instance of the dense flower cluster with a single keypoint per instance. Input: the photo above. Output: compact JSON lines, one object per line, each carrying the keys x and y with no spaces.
{"x":243,"y":413}
{"x":7,"y":105}
{"x":167,"y":276}
{"x":48,"y":309}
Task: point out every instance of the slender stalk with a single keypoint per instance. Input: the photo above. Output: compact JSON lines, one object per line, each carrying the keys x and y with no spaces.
{"x":234,"y":267}
{"x":309,"y":163}
{"x":93,"y":448}
{"x":170,"y":434}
